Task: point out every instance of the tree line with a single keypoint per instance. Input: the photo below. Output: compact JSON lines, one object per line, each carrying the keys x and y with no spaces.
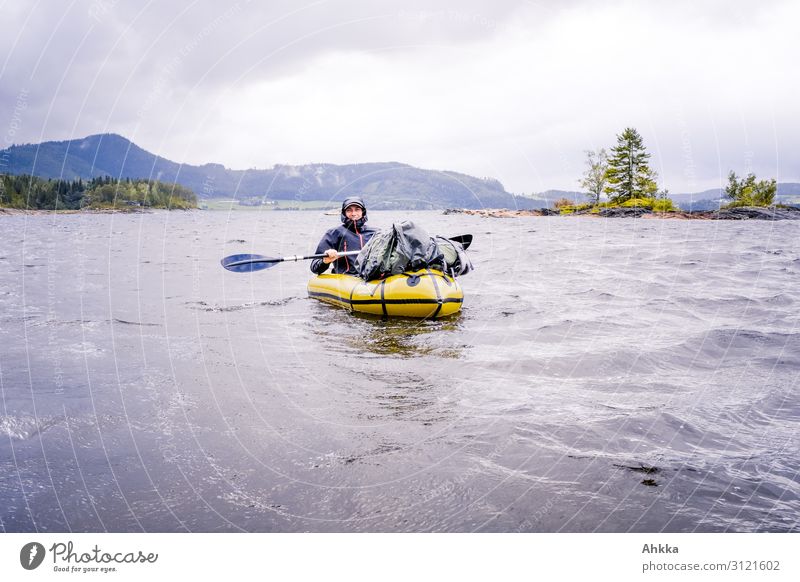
{"x":32,"y":193}
{"x":624,"y":176}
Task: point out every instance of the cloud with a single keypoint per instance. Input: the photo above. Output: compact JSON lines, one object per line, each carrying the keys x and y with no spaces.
{"x":514,"y":90}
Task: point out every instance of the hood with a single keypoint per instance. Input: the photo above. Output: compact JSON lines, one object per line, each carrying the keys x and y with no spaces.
{"x":350,"y":200}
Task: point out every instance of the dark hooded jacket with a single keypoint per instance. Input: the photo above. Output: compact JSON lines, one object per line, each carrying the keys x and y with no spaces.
{"x":349,"y":236}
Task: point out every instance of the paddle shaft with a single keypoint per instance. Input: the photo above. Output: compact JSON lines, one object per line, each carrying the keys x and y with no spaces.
{"x":250,"y":263}
{"x":289,"y":258}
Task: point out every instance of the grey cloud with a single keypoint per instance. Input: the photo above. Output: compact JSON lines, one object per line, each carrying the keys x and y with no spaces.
{"x":128,"y":67}
{"x":138,"y":53}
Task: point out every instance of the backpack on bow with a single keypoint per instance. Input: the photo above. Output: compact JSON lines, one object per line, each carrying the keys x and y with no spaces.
{"x":408,"y":247}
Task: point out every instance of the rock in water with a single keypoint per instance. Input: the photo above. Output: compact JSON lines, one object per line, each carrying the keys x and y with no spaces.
{"x":619,"y":212}
{"x":758,"y":213}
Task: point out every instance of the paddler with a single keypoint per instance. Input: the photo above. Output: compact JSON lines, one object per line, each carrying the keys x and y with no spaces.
{"x":351,"y":235}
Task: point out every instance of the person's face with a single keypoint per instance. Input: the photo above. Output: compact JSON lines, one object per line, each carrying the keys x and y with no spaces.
{"x":353,"y":212}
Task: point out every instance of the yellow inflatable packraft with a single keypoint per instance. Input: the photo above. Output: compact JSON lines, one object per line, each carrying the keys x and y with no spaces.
{"x":425,"y":293}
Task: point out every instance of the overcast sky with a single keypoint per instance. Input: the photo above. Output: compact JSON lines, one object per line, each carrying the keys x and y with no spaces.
{"x":512,"y":90}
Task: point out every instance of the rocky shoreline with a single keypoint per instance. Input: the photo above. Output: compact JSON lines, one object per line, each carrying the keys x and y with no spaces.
{"x":741,"y":213}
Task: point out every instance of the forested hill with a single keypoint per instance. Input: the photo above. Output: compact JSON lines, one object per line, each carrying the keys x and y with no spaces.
{"x":32,"y":193}
{"x":383,"y":185}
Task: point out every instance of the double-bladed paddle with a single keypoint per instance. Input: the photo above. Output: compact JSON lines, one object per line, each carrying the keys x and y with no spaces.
{"x":250,"y":263}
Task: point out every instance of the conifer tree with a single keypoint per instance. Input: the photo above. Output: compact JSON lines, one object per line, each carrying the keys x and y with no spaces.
{"x":748,"y":192}
{"x":628,"y":174}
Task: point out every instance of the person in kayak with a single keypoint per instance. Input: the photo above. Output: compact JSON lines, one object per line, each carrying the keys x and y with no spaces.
{"x":351,"y":235}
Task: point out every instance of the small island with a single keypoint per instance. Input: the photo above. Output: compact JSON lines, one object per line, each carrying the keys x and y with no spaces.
{"x":24,"y":193}
{"x":622,"y":185}
{"x":736,"y":213}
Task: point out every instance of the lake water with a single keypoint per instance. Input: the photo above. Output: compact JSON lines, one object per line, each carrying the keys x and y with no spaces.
{"x":605,"y":375}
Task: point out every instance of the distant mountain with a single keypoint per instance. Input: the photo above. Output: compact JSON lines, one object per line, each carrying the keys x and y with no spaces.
{"x":383,"y":185}
{"x":551,"y":196}
{"x":788,"y":189}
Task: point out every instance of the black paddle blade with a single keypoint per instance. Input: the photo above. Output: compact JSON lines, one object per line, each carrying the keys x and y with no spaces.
{"x":464,"y":239}
{"x":248,"y":263}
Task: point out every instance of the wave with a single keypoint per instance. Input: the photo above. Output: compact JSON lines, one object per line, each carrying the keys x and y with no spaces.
{"x":26,"y":427}
{"x":719,"y":347}
{"x":203,"y":306}
{"x":138,"y":323}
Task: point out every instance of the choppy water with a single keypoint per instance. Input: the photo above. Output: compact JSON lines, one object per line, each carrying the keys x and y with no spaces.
{"x":605,"y":375}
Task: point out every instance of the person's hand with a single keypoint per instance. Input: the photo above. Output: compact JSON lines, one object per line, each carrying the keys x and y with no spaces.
{"x":330,"y":256}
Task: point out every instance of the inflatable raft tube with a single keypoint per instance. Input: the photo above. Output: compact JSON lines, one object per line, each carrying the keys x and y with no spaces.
{"x":426,"y":293}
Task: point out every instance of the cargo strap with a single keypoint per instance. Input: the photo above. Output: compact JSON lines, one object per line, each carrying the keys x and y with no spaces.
{"x":438,"y":293}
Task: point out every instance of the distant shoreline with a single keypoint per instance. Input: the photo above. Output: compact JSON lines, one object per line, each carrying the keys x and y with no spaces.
{"x":34,"y":212}
{"x":740,"y":213}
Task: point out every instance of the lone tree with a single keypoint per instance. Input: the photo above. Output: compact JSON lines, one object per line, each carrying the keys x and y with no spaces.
{"x":595,"y":178}
{"x":628,"y":174}
{"x":748,"y":192}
